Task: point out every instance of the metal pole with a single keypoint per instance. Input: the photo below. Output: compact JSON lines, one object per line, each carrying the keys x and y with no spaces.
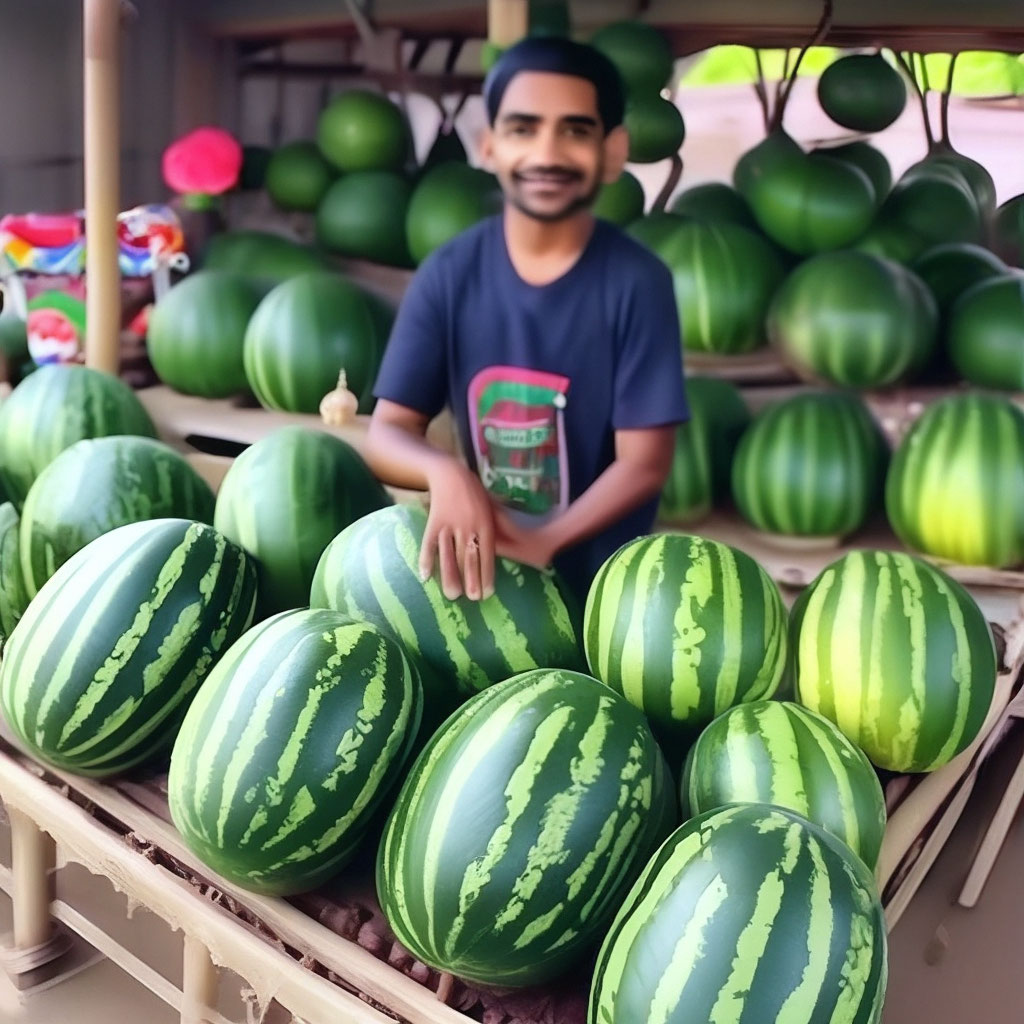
{"x":102,"y":182}
{"x":507,"y":21}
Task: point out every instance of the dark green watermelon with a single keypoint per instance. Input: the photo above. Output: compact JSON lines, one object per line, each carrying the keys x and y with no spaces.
{"x":621,"y":201}
{"x":950,"y":269}
{"x":871,"y":161}
{"x":986,"y":333}
{"x":714,"y":201}
{"x":654,"y":229}
{"x":1008,"y":230}
{"x":266,"y":258}
{"x":363,"y":215}
{"x":298,"y":176}
{"x":862,"y":91}
{"x":656,"y":129}
{"x":641,"y":53}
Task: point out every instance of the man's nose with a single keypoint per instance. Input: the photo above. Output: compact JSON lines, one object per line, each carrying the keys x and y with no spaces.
{"x":548,"y":149}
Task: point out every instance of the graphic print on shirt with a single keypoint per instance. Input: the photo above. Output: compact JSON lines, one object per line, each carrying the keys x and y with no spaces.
{"x":517,"y":420}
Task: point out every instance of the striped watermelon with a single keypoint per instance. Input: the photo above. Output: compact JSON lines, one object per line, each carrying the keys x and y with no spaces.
{"x":986,"y":333}
{"x":100,"y":670}
{"x":704,"y":450}
{"x":812,"y":465}
{"x":684,"y":628}
{"x":55,"y":407}
{"x":13,"y":595}
{"x":955,"y":488}
{"x":748,"y":915}
{"x":896,"y":654}
{"x":520,"y":828}
{"x":776,"y":752}
{"x":292,"y":742}
{"x":310,"y":486}
{"x":371,"y":573}
{"x":97,"y":485}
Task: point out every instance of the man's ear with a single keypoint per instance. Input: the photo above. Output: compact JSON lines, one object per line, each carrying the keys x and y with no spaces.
{"x":486,"y":149}
{"x":616,"y":152}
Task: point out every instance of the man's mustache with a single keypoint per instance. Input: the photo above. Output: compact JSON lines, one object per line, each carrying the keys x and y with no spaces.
{"x":548,"y":173}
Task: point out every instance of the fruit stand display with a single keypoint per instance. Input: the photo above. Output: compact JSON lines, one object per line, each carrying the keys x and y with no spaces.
{"x":387,"y":806}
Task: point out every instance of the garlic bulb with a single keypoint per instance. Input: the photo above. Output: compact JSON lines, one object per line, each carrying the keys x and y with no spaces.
{"x":339,"y":406}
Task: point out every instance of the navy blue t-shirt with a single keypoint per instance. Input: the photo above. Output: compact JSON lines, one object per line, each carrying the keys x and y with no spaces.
{"x":539,"y":378}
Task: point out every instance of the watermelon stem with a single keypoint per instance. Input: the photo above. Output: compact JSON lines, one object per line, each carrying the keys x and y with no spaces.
{"x":944,"y":109}
{"x":823,"y":29}
{"x":761,"y":89}
{"x":674,"y":175}
{"x":905,"y":61}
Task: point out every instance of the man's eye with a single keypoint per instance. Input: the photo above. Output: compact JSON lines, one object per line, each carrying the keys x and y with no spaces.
{"x":578,"y":131}
{"x":519,"y":129}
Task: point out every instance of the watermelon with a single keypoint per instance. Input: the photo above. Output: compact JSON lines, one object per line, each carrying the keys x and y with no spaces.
{"x":97,"y":485}
{"x":99,"y":672}
{"x":725,"y":277}
{"x":714,"y":201}
{"x":290,"y":745}
{"x":302,"y":334}
{"x":297,"y":176}
{"x":642,"y":55}
{"x":977,"y":178}
{"x":862,"y":91}
{"x":655,"y":229}
{"x":621,"y":201}
{"x":955,"y":488}
{"x":812,"y":465}
{"x":311,"y":485}
{"x":197,"y":330}
{"x":704,"y":450}
{"x":871,"y":161}
{"x":448,"y":199}
{"x":950,"y":269}
{"x":13,"y":340}
{"x":986,"y":333}
{"x":55,"y":407}
{"x":363,"y":215}
{"x":361,"y":130}
{"x":1008,"y":231}
{"x":777,"y":752}
{"x":13,"y":593}
{"x":371,"y":573}
{"x":264,"y":258}
{"x":851,"y":319}
{"x":656,"y":129}
{"x":747,"y":914}
{"x":684,"y":628}
{"x":897,"y":655}
{"x":519,"y":829}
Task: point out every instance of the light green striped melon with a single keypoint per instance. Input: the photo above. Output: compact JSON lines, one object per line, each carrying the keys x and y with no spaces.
{"x":777,"y":752}
{"x":748,"y":914}
{"x":291,"y":744}
{"x":99,"y":672}
{"x":520,"y":828}
{"x":896,"y":654}
{"x":812,"y":465}
{"x":955,"y":488}
{"x":684,"y":628}
{"x":371,"y":573}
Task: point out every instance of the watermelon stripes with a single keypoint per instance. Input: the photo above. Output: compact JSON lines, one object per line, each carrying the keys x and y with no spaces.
{"x":747,"y":914}
{"x":13,"y":595}
{"x":685,"y":627}
{"x":99,"y":672}
{"x":776,"y":752}
{"x":896,"y":654}
{"x":520,"y":827}
{"x":289,"y":747}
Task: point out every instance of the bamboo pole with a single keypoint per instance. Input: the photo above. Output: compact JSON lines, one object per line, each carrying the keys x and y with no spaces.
{"x":102,"y":182}
{"x":507,"y":21}
{"x":33,"y":854}
{"x":199,"y":987}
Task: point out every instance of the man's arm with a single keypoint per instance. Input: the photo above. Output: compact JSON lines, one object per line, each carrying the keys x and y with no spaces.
{"x":643,"y":461}
{"x":460,"y":528}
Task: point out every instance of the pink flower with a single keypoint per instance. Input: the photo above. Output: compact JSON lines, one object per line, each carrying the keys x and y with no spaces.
{"x":207,"y":160}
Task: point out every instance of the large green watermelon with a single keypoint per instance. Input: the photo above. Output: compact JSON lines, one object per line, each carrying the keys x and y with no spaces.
{"x":704,"y":450}
{"x":290,"y":745}
{"x":871,"y":161}
{"x":717,"y":202}
{"x":363,"y":215}
{"x":642,"y":55}
{"x":725,"y":277}
{"x":13,"y":594}
{"x":197,"y":331}
{"x":621,"y":201}
{"x":1008,"y":231}
{"x":656,"y":129}
{"x":297,"y":176}
{"x":896,"y":654}
{"x":265,"y":258}
{"x":748,"y":914}
{"x":777,"y":752}
{"x":361,"y":130}
{"x":655,"y":229}
{"x":520,"y":827}
{"x":978,"y":179}
{"x":950,"y":269}
{"x":986,"y":333}
{"x":371,"y":572}
{"x":285,"y":499}
{"x":55,"y":407}
{"x":303,"y":334}
{"x":811,"y":465}
{"x":448,"y":199}
{"x":100,"y":670}
{"x":97,"y":485}
{"x":955,"y":488}
{"x":862,"y":91}
{"x":851,"y":319}
{"x":685,"y":628}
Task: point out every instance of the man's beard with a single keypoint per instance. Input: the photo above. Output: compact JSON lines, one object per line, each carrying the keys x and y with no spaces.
{"x":573,"y":207}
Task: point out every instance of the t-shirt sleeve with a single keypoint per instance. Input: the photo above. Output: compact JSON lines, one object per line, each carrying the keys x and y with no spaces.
{"x":649,"y":390}
{"x":414,"y":369}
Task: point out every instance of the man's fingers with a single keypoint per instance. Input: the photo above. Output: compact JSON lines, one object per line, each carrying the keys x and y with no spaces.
{"x":471,"y":567}
{"x":486,"y":563}
{"x":451,"y":582}
{"x":427,"y":552}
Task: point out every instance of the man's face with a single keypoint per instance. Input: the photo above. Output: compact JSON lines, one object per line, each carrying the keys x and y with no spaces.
{"x":547,"y":146}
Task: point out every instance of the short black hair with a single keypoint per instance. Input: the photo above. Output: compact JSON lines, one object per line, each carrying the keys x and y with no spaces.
{"x":562,"y":57}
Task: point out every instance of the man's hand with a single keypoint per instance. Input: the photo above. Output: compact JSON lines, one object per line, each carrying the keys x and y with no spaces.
{"x":536,"y":547}
{"x":460,"y":532}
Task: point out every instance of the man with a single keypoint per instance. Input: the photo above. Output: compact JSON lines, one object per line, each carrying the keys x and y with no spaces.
{"x":554,"y":338}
